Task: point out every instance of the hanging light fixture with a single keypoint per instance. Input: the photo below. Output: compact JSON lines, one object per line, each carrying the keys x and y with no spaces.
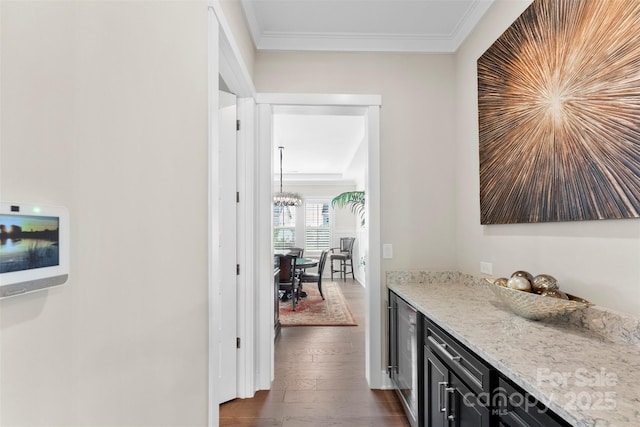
{"x":285,"y":199}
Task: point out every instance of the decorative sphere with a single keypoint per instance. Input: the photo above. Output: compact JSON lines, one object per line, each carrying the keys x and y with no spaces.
{"x":554,"y":293}
{"x":544,"y":282}
{"x":524,"y":274}
{"x":502,"y":281}
{"x":519,"y":283}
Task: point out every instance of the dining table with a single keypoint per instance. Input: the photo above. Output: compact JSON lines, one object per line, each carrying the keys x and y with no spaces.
{"x":301,"y":264}
{"x":304,"y":263}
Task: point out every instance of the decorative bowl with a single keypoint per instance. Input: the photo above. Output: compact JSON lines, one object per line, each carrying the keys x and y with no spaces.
{"x":535,"y":307}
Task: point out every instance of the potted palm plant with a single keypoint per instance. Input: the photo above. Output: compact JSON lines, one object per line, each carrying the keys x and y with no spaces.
{"x":354,"y":200}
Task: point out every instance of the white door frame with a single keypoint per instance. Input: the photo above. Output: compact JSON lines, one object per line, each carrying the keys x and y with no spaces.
{"x":374,"y":320}
{"x":229,"y":248}
{"x":225,"y":59}
{"x":213,"y":238}
{"x":255,"y":175}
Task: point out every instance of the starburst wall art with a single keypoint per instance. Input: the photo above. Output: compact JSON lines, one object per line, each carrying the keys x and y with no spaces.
{"x":559,"y":114}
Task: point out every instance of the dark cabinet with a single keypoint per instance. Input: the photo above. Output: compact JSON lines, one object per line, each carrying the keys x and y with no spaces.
{"x":403,"y":354}
{"x":467,"y":409}
{"x":442,"y":383}
{"x":517,"y":408}
{"x":436,"y":378}
{"x":457,"y":383}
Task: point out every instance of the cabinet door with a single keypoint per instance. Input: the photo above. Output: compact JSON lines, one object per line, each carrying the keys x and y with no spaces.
{"x":403,"y":354}
{"x":393,"y":336}
{"x":435,"y":384}
{"x":510,"y":419}
{"x":466,"y":408}
{"x":517,"y":408}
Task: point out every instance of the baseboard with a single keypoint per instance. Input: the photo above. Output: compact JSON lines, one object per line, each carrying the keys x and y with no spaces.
{"x":385,"y":381}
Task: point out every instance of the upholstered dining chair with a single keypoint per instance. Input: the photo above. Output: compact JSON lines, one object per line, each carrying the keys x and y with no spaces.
{"x":299,"y":252}
{"x":316,"y":277}
{"x":296,"y":251}
{"x":288,"y":281}
{"x":344,"y":256}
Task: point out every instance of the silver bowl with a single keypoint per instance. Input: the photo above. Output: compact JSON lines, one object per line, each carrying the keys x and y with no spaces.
{"x":535,"y":307}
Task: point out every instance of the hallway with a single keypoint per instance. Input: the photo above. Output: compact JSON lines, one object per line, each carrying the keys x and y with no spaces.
{"x":319,"y":380}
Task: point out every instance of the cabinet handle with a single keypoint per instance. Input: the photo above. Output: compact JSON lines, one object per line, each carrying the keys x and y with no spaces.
{"x":447,"y":410}
{"x":443,"y":348}
{"x":442,"y":407}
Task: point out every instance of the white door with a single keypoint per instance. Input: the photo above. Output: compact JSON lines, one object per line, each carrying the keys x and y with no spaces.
{"x":228,"y":317}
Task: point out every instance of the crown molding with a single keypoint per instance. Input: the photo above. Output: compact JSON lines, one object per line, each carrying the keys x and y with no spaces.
{"x":315,"y":179}
{"x":364,"y":42}
{"x":393,"y":43}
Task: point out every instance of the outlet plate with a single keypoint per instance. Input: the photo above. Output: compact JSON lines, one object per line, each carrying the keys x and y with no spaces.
{"x":486,"y":267}
{"x":387,"y":251}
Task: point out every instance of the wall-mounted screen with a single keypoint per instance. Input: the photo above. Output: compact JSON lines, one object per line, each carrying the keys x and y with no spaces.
{"x":34,"y":247}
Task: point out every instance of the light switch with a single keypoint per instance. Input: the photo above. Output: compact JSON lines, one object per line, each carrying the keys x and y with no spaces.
{"x":387,"y":251}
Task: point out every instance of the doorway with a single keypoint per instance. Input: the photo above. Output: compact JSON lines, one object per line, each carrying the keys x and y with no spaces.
{"x":369,"y":105}
{"x":255,"y":367}
{"x":320,"y":152}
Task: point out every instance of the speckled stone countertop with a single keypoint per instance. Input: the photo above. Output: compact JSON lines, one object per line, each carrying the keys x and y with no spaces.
{"x":584,"y":377}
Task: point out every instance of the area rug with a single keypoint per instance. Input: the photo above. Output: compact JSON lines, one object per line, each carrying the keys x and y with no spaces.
{"x":313,"y":311}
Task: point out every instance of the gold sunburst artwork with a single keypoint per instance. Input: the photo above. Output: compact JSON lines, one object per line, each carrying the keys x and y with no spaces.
{"x":559,"y":114}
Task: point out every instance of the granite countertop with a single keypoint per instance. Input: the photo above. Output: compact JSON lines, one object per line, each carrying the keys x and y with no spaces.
{"x":585,"y":378}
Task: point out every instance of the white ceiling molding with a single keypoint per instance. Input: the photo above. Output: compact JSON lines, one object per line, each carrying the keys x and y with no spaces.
{"x":415,"y":26}
{"x":232,"y":68}
{"x":315,"y":179}
{"x":319,"y":99}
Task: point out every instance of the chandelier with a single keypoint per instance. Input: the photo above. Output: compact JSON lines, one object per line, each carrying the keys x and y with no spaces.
{"x":285,"y":199}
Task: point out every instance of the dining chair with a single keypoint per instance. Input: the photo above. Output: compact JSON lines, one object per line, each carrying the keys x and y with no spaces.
{"x":344,"y":256}
{"x":316,"y":277}
{"x":288,"y":280}
{"x":296,"y":251}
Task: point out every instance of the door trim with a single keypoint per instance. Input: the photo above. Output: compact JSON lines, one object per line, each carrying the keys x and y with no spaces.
{"x":213,"y":239}
{"x":224,"y":58}
{"x":373,"y":290}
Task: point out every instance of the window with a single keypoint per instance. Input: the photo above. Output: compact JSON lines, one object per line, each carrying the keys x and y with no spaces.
{"x":308,"y":226}
{"x":284,"y":227}
{"x":317,"y":227}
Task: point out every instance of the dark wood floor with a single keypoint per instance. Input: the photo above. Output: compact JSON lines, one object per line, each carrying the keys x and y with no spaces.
{"x":319,"y":380}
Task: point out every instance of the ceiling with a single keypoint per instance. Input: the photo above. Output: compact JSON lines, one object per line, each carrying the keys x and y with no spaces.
{"x":427,"y":26}
{"x":320,"y":145}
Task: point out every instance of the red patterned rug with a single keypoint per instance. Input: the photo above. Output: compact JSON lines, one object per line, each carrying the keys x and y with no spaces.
{"x":313,"y":311}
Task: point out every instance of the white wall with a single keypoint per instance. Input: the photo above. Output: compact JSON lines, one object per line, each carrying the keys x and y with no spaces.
{"x":417,"y":150}
{"x":357,"y":168}
{"x":417,"y":200}
{"x":104,"y":110}
{"x":345,"y":223}
{"x":343,"y":218}
{"x":234,"y":15}
{"x":597,"y":260}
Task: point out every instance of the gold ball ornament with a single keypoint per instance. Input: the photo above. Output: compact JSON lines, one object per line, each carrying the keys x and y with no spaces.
{"x":525,"y":274}
{"x":502,"y":281}
{"x":555,"y":293}
{"x":544,"y":282}
{"x":519,"y":283}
